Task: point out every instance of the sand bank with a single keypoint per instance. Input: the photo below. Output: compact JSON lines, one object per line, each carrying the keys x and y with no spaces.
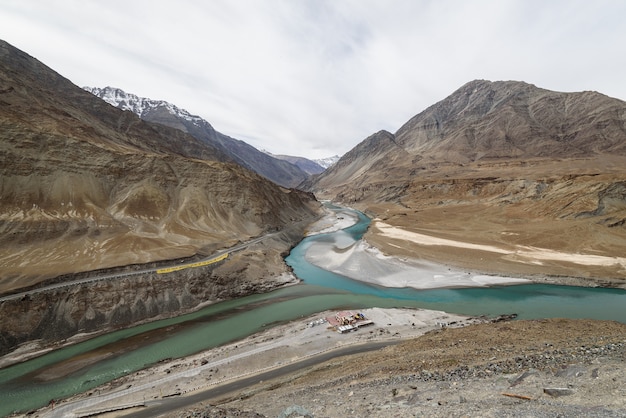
{"x":333,"y":220}
{"x":358,"y":260}
{"x":519,"y":253}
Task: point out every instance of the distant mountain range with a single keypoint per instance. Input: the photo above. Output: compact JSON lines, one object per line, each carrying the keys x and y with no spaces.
{"x":327,"y":162}
{"x":308,"y":166}
{"x":286,"y":171}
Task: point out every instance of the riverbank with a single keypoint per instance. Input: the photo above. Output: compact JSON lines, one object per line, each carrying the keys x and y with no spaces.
{"x":269,"y":349}
{"x":361,"y":261}
{"x":386,"y":257}
{"x":540,"y":368}
{"x":543,"y":263}
{"x":333,"y":220}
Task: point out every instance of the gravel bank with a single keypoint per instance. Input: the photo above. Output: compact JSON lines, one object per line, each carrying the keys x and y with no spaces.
{"x":543,"y":368}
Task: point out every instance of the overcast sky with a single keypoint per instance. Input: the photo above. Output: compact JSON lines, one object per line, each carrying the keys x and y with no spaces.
{"x":314,"y":77}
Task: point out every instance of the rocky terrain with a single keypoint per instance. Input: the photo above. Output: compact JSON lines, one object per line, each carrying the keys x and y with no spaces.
{"x":46,"y":320}
{"x":502,"y":163}
{"x":85,"y":186}
{"x":542,"y":368}
{"x":279,"y":170}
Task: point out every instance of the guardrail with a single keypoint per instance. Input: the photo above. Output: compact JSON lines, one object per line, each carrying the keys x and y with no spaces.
{"x":192,"y":265}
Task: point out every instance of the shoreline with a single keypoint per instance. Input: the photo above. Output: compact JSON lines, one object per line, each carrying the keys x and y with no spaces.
{"x":260,"y":352}
{"x":542,"y":258}
{"x":367,"y":262}
{"x":361,"y":261}
{"x":332,"y":222}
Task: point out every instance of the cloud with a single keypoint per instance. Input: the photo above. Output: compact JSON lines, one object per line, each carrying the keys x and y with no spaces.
{"x":315,"y":77}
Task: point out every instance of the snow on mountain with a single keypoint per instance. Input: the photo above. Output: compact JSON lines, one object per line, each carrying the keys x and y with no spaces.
{"x":139,"y":105}
{"x":277,"y":170}
{"x":328,"y":161}
{"x":305,"y":164}
{"x":142,"y":106}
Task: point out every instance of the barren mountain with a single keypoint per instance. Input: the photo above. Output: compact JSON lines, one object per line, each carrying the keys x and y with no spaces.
{"x":304,"y":164}
{"x":281,"y":172}
{"x":85,"y":186}
{"x":498,"y":163}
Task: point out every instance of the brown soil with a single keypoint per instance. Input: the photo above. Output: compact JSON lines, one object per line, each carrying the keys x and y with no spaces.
{"x":511,"y":209}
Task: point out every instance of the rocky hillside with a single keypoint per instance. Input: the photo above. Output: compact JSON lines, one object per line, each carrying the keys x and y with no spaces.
{"x":281,"y":172}
{"x":86,"y":186}
{"x":502,"y":163}
{"x":506,"y":119}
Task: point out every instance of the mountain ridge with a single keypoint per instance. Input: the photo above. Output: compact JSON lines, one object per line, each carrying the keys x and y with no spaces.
{"x":304,"y":164}
{"x":162,"y":112}
{"x":509,"y":115}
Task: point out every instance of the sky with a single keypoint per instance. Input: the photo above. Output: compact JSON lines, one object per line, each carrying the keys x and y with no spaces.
{"x":314,"y":78}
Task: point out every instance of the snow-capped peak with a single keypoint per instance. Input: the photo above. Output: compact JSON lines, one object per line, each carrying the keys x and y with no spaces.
{"x":328,"y":161}
{"x":138,"y":105}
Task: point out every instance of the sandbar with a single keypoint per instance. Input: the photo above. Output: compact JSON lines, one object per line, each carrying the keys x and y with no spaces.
{"x":358,"y":260}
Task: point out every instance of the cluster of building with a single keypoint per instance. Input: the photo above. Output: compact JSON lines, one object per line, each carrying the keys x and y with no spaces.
{"x":346,"y":321}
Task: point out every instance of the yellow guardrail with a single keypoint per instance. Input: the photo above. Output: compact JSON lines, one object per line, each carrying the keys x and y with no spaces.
{"x":192,"y":265}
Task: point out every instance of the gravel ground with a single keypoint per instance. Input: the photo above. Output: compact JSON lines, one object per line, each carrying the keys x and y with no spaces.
{"x":542,"y":368}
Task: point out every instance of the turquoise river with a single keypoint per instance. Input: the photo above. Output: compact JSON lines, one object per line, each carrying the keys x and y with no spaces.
{"x":86,"y":365}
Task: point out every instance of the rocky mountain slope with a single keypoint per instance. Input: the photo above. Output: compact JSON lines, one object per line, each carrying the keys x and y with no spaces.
{"x":502,"y":163}
{"x":86,"y":186}
{"x":279,"y":171}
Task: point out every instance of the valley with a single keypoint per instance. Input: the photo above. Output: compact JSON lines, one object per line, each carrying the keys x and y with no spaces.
{"x":138,"y":241}
{"x":189,"y":375}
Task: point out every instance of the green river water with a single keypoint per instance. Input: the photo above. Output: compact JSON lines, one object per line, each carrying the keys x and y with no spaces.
{"x":86,"y":365}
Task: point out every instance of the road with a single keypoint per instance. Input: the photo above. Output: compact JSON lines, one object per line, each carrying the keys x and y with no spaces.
{"x":106,"y":402}
{"x":219,"y":254}
{"x":166,"y":405}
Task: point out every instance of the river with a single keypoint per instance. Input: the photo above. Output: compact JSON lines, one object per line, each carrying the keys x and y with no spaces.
{"x":86,"y":365}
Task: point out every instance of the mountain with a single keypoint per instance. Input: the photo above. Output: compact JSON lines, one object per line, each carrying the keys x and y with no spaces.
{"x":500,"y":163}
{"x":158,"y":111}
{"x":327,"y":162}
{"x":308,"y":166}
{"x":86,"y":186}
{"x":507,"y":119}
